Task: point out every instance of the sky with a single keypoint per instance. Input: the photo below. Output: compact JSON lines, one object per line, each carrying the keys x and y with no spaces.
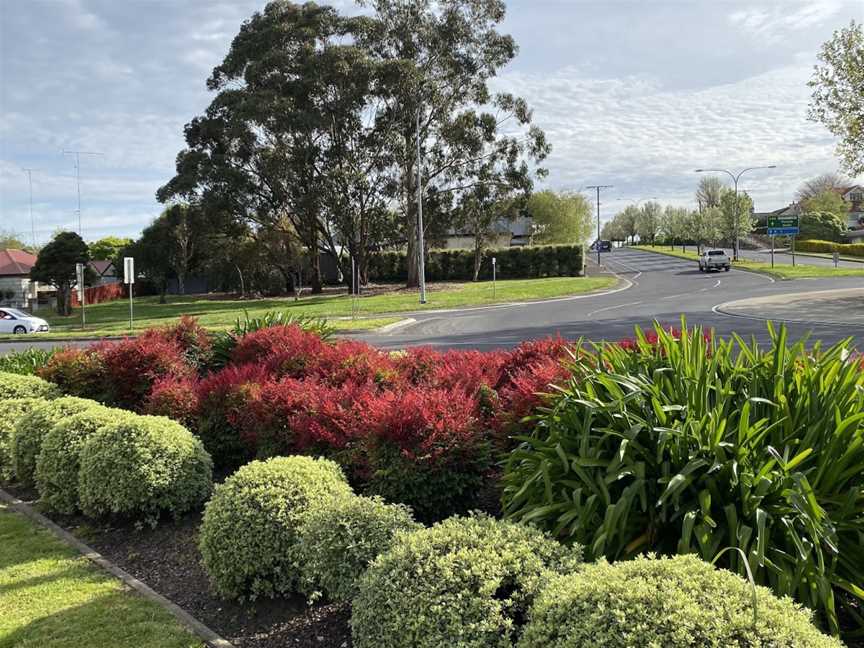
{"x":631,"y":93}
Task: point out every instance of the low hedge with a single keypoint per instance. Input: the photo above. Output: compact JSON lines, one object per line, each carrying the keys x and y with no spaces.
{"x":464,"y":582}
{"x":251,"y":526}
{"x":11,"y":410}
{"x":847,"y":249}
{"x":13,"y":385}
{"x":57,"y":465}
{"x":680,"y":601}
{"x":142,"y":466}
{"x":511,"y":263}
{"x":337,"y":543}
{"x":31,"y":429}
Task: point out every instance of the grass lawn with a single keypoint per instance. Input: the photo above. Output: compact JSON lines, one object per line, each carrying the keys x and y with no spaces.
{"x":780,"y":270}
{"x":112,"y":318}
{"x":52,"y":597}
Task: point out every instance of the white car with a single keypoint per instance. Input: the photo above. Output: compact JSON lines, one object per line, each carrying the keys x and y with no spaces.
{"x":714,"y":260}
{"x":13,"y":320}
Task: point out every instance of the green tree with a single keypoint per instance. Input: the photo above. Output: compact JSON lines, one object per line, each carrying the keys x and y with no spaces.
{"x":56,"y":263}
{"x":648,"y":221}
{"x":674,"y":225}
{"x":441,"y":55}
{"x":629,"y":219}
{"x":822,"y":226}
{"x":827,"y":201}
{"x":709,"y":192}
{"x":837,"y":101}
{"x":704,"y":226}
{"x":107,"y":248}
{"x":819,"y":184}
{"x":9,"y":241}
{"x":560,"y":217}
{"x":736,"y":215}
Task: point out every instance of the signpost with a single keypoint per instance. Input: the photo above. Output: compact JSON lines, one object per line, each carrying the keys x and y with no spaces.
{"x":79,"y":277}
{"x":129,"y":280}
{"x":493,"y":277}
{"x":783,"y":226}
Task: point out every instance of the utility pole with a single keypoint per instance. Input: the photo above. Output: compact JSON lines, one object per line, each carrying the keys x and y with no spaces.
{"x":78,"y":155}
{"x":598,"y":188}
{"x":29,"y":173}
{"x":421,"y":267}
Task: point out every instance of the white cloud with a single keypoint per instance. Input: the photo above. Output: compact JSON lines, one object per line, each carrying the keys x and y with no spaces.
{"x":773,"y":23}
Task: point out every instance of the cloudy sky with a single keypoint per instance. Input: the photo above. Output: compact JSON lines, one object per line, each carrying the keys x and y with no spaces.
{"x":635,"y":94}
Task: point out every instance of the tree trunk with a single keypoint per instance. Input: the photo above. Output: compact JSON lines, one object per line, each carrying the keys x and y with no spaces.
{"x":315,"y":272}
{"x":410,"y":185}
{"x":478,"y":257}
{"x":181,"y":283}
{"x":64,"y":299}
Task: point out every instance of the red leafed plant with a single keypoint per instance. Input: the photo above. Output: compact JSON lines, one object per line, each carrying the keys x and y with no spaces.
{"x":286,"y":349}
{"x":192,"y":338}
{"x":223,"y":401}
{"x":530,"y":352}
{"x":176,"y":398}
{"x":78,"y":372}
{"x":135,"y":364}
{"x":426,"y":448}
{"x":350,"y":361}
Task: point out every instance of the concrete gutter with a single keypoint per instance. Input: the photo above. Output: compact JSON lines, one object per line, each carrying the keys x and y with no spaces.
{"x":187,"y":620}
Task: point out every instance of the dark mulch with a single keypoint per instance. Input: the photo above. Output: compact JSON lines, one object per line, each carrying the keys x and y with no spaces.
{"x":167,"y":559}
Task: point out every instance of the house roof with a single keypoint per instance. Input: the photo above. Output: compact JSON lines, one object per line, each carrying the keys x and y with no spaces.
{"x":16,"y":262}
{"x":102,"y":267}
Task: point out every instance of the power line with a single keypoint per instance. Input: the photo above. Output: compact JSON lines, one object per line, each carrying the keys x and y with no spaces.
{"x":78,"y":155}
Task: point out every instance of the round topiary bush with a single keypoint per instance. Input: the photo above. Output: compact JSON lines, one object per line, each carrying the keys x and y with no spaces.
{"x":32,"y":428}
{"x":23,"y":386}
{"x":337,"y":542}
{"x":57,"y":465}
{"x":142,"y":466}
{"x":12,"y":409}
{"x":680,"y":601}
{"x":251,"y":525}
{"x":464,"y":582}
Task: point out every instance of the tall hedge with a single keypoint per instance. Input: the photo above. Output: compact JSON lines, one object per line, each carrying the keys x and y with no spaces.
{"x":512,"y":263}
{"x":845,"y":249}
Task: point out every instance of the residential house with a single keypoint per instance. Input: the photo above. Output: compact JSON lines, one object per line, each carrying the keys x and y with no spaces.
{"x":16,"y":289}
{"x":105,"y":271}
{"x":506,"y":233}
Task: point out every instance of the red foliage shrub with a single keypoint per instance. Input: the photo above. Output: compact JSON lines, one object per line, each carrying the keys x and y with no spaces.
{"x":135,"y":364}
{"x":467,"y":370}
{"x":352,"y":362}
{"x":190,"y":336}
{"x":223,"y":401}
{"x":529,"y":353}
{"x":287,"y":350}
{"x":78,"y":372}
{"x":176,"y":398}
{"x":424,"y":447}
{"x":416,"y":365}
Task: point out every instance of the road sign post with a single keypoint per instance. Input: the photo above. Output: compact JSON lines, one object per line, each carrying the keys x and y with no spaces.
{"x":783,"y":226}
{"x":129,"y":280}
{"x":836,"y":257}
{"x":79,"y":276}
{"x":493,"y":277}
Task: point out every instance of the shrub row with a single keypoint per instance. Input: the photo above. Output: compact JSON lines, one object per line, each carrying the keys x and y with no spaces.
{"x":848,"y":249}
{"x":81,"y":455}
{"x":511,"y":263}
{"x":291,"y":524}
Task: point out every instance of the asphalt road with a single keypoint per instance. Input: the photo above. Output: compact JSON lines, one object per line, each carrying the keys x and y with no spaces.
{"x":654,"y":287}
{"x":662,"y":288}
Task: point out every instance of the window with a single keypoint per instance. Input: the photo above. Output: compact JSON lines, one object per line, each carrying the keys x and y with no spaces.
{"x":857,"y":196}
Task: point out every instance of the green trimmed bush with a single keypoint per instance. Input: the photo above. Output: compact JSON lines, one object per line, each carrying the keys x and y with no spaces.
{"x":13,"y":385}
{"x":251,"y":526}
{"x":12,"y":409}
{"x":337,"y":542}
{"x":142,"y":466}
{"x":58,"y":463}
{"x":680,"y":601}
{"x":32,"y":428}
{"x":464,"y":582}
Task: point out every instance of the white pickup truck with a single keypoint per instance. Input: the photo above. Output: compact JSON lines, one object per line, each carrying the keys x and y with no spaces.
{"x":714,"y":260}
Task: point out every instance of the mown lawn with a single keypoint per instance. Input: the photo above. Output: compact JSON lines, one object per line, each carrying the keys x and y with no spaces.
{"x":372,"y":311}
{"x":52,"y":597}
{"x":780,"y":270}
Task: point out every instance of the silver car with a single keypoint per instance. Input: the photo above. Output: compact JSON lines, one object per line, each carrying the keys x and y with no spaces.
{"x":15,"y":321}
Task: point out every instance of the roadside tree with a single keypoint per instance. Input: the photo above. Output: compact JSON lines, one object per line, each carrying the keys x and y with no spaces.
{"x":55,"y":265}
{"x":822,"y":226}
{"x":561,"y":218}
{"x":648,"y":221}
{"x":108,"y":248}
{"x":827,"y":201}
{"x":736,"y":215}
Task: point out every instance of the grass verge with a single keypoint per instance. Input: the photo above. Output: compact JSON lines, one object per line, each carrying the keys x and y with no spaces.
{"x":52,"y":597}
{"x":374,"y":311}
{"x":779,"y":271}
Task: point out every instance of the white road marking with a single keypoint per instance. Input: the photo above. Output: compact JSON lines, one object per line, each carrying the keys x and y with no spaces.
{"x":608,"y":308}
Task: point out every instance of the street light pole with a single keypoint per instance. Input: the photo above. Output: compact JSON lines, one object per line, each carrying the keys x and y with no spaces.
{"x":735,"y":178}
{"x":598,"y":188}
{"x":421,"y":266}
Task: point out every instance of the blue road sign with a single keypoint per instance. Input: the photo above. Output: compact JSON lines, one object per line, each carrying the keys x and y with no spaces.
{"x":783,"y":231}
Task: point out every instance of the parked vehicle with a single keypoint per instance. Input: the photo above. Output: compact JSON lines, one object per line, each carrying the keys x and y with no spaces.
{"x":605,"y":246}
{"x":714,"y":260}
{"x":15,"y":321}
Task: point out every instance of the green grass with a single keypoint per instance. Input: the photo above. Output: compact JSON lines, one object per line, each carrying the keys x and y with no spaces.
{"x":52,"y":597}
{"x":112,"y":318}
{"x":780,"y":270}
